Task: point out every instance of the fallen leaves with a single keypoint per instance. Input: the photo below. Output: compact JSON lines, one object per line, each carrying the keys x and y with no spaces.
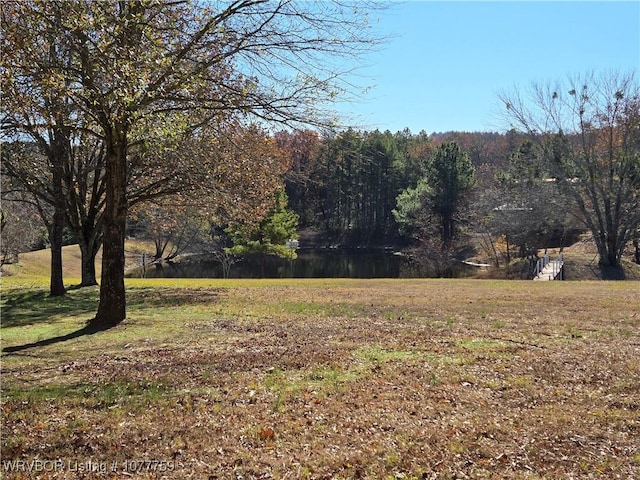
{"x":352,"y":392}
{"x":267,"y":433}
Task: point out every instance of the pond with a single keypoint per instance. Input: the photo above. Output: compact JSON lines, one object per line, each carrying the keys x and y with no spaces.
{"x":321,"y":263}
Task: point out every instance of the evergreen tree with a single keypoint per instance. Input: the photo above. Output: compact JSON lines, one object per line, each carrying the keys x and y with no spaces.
{"x":271,"y":235}
{"x":450,"y":175}
{"x":439,"y":195}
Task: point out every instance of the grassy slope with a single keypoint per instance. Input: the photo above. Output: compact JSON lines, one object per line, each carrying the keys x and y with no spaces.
{"x":328,"y":379}
{"x":37,"y":263}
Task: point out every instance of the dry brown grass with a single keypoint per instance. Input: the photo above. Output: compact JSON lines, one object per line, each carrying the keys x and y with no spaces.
{"x":38,"y":262}
{"x":334,"y":379}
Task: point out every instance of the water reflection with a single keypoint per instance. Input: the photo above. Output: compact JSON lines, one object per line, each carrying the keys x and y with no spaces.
{"x":325,"y":263}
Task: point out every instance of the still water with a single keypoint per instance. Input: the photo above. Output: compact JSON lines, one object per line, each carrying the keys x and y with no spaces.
{"x":325,"y":263}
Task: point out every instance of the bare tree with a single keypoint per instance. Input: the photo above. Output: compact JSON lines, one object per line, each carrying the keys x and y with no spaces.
{"x":588,"y":130}
{"x":85,"y":188}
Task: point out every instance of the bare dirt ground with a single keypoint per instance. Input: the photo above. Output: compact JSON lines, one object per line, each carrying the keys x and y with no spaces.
{"x":332,"y":379}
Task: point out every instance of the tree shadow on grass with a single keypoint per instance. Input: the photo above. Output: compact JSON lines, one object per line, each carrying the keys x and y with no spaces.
{"x":22,"y":307}
{"x":87,"y":330}
{"x":26,"y":306}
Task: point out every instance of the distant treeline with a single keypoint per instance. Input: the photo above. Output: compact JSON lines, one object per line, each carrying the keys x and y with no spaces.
{"x":346,"y":185}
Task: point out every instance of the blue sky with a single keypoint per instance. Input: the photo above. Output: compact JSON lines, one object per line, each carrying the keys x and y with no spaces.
{"x":447,"y":61}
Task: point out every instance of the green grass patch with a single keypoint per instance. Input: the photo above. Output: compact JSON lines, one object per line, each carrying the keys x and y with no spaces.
{"x":27,"y":306}
{"x":318,"y":382}
{"x":454,"y":360}
{"x":329,"y":377}
{"x":377,"y":355}
{"x":88,"y":395}
{"x":314,"y":308}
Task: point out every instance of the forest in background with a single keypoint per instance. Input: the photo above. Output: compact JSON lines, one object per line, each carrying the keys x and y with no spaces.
{"x":159,"y":119}
{"x":341,"y":190}
{"x":346,"y":186}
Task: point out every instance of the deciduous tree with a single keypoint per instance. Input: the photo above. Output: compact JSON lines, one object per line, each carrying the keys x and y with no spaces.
{"x":222,"y":175}
{"x":35,"y":107}
{"x":303,"y":178}
{"x":184,"y":64}
{"x":588,"y":130}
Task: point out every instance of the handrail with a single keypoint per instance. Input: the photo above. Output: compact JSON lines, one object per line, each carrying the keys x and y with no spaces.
{"x":556,"y":265}
{"x":541,"y":263}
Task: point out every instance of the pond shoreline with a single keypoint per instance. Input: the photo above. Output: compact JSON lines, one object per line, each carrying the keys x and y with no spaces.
{"x":326,"y":262}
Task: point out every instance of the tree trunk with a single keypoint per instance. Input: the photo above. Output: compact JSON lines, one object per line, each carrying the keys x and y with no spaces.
{"x":88,"y":252}
{"x":56,"y":287}
{"x":614,"y":256}
{"x":608,"y":252}
{"x":85,"y":220}
{"x":56,"y":230}
{"x":112,"y":305}
{"x":448,"y":231}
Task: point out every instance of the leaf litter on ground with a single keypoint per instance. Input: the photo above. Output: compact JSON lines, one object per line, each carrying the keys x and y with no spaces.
{"x":339,"y":379}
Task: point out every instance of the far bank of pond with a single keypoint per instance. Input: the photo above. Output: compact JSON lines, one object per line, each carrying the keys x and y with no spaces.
{"x":316,"y":263}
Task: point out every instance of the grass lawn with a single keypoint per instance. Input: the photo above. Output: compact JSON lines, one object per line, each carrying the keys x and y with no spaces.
{"x":293,"y":379}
